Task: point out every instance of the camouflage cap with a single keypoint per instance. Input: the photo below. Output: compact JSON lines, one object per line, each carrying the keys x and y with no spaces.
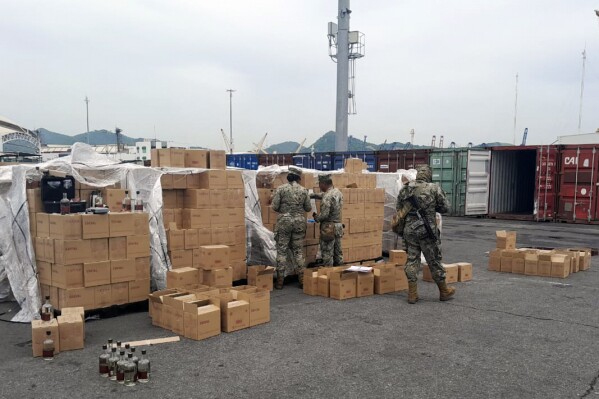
{"x":424,"y":172}
{"x":325,"y":178}
{"x":295,"y":171}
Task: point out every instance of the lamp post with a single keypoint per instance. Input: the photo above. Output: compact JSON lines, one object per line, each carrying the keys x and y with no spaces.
{"x":231,"y":119}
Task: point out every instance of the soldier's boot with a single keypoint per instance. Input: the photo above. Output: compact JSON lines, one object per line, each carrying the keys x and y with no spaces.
{"x":279,"y":283}
{"x":412,"y":292}
{"x":445,"y":292}
{"x":300,"y":279}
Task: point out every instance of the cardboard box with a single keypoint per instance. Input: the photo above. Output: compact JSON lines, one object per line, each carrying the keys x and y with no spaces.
{"x":122,"y":270}
{"x":163,"y":157}
{"x":364,"y":284}
{"x":235,"y":314}
{"x":262,"y":277}
{"x":323,"y":285}
{"x":169,"y":199}
{"x":121,"y":224}
{"x":196,"y":218}
{"x":142,"y":268}
{"x":117,"y":248}
{"x":183,"y":278}
{"x":234,"y":179}
{"x":213,"y":179}
{"x":214,"y":257}
{"x":217,"y":159}
{"x":464,"y":272}
{"x":175,"y":240}
{"x":44,"y":272}
{"x":70,"y":331}
{"x":239,"y":270}
{"x":218,"y":277}
{"x":518,"y":265}
{"x":451,"y":273}
{"x":342,"y":284}
{"x":196,"y":159}
{"x":177,"y":158}
{"x":103,"y":296}
{"x":560,"y":265}
{"x":67,"y":276}
{"x":76,"y":297}
{"x":191,"y":239}
{"x":113,"y":198}
{"x":173,"y":309}
{"x":42,"y":225}
{"x":201,"y":318}
{"x":398,"y":257}
{"x":96,"y":273}
{"x":38,"y":335}
{"x":259,"y":301}
{"x":120,"y":293}
{"x":34,"y":200}
{"x":506,"y":239}
{"x":95,"y":226}
{"x":138,"y":246}
{"x":223,"y":236}
{"x":65,"y":227}
{"x":141,"y":223}
{"x":182,"y":258}
{"x":197,"y":199}
{"x":204,"y":237}
{"x":310,"y":281}
{"x":49,"y":251}
{"x":166,"y":181}
{"x":401,"y":280}
{"x":384,"y":278}
{"x":495,"y":260}
{"x":156,"y":305}
{"x":544,"y":268}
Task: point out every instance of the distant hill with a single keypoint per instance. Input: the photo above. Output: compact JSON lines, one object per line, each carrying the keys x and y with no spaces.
{"x":96,"y":137}
{"x":285,"y":147}
{"x":327,"y":143}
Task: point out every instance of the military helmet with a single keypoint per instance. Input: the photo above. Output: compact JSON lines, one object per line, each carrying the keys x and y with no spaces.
{"x":424,"y":172}
{"x":325,"y":178}
{"x":295,"y":171}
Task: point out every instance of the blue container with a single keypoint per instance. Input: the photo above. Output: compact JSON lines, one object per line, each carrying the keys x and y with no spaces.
{"x":369,"y":157}
{"x":303,"y":161}
{"x":318,"y":161}
{"x":243,"y":161}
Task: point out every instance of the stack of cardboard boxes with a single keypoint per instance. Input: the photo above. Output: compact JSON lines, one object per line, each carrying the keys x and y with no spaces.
{"x":203,"y":209}
{"x":181,"y":158}
{"x":91,"y":261}
{"x":203,"y":312}
{"x":67,"y":331}
{"x":211,"y":267}
{"x":534,"y":262}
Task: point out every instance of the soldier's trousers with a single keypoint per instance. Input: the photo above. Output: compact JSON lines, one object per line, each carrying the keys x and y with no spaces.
{"x":431,"y":249}
{"x":330,"y":251}
{"x":289,"y":236}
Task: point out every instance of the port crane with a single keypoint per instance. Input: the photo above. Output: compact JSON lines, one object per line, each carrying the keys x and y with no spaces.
{"x":228,"y":147}
{"x":259,"y":147}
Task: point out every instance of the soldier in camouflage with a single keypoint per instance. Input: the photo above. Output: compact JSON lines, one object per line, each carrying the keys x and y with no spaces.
{"x":291,"y":201}
{"x":330,"y":217}
{"x":429,"y":198}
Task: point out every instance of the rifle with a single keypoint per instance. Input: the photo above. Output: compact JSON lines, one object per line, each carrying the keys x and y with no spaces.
{"x":424,"y":220}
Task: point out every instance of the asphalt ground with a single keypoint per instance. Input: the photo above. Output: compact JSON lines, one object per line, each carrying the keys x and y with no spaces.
{"x":504,"y":336}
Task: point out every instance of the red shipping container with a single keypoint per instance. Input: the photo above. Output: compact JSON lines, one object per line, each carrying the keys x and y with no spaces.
{"x":275,"y":159}
{"x":579,"y":180}
{"x":394,"y":160}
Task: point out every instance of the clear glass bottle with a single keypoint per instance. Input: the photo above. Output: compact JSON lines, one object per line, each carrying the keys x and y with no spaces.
{"x":99,"y":200}
{"x":65,"y":205}
{"x":127,"y":202}
{"x":47,"y":310}
{"x":112,"y":363}
{"x":139,"y":203}
{"x":135,"y":360}
{"x":110,"y":344}
{"x":118,"y":347}
{"x":103,"y":361}
{"x":130,"y":370}
{"x":120,"y":371}
{"x":127,"y":346}
{"x":143,"y":368}
{"x":48,"y":347}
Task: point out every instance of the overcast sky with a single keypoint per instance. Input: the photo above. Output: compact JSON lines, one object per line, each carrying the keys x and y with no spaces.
{"x":439,"y":67}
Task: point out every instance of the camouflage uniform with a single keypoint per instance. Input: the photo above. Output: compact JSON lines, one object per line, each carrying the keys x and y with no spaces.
{"x":291,"y":201}
{"x":431,"y":199}
{"x":330,"y":211}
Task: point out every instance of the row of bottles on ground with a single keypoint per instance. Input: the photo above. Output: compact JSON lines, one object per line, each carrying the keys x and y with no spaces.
{"x":122,"y":365}
{"x":129,"y":204}
{"x":47,"y":314}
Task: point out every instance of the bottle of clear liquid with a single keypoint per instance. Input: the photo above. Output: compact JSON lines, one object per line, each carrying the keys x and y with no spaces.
{"x":103,"y":361}
{"x":120,"y":371}
{"x":65,"y":205}
{"x":118,"y":347}
{"x":110,"y":344}
{"x":48,"y":347}
{"x":47,"y":310}
{"x":127,"y":346}
{"x":112,"y":363}
{"x":135,"y":360}
{"x":127,"y":202}
{"x":143,"y":368}
{"x":130,"y":370}
{"x":139,"y":203}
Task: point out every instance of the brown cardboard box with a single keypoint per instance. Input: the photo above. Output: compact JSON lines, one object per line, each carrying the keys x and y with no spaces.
{"x":169,"y":199}
{"x":235,"y":198}
{"x":67,"y":276}
{"x":384,"y":278}
{"x":163,"y":157}
{"x":177,"y":158}
{"x":495,"y":260}
{"x":173,"y":309}
{"x":401,"y":280}
{"x":451,"y":273}
{"x":506,"y":239}
{"x":196,"y":218}
{"x":223,"y":236}
{"x":38,"y":335}
{"x":217,"y":159}
{"x":310,"y":281}
{"x":71,"y":252}
{"x":234,"y":314}
{"x":34,"y":200}
{"x":261,"y":277}
{"x":44,"y":272}
{"x":464,"y":272}
{"x":191,"y":239}
{"x":560,"y":265}
{"x":237,"y":253}
{"x":218,"y":277}
{"x":183,"y":278}
{"x":259,"y":301}
{"x":531,"y":264}
{"x":201,"y":318}
{"x":117,"y":248}
{"x":181,"y":258}
{"x":204,"y":237}
{"x":121,"y":224}
{"x":33,"y":224}
{"x":196,"y":159}
{"x":323,"y":285}
{"x":74,"y":297}
{"x":234,"y":179}
{"x":142,"y":268}
{"x":398,"y":257}
{"x":96,"y":273}
{"x":506,"y":264}
{"x":235,"y":217}
{"x":113,"y":198}
{"x":122,"y":270}
{"x":156,"y":305}
{"x":138,"y":246}
{"x":197,"y":198}
{"x":175,"y":240}
{"x":103,"y":296}
{"x":239,"y":270}
{"x":120,"y":293}
{"x":65,"y":227}
{"x":518,"y":264}
{"x":70,"y":331}
{"x":544,"y":268}
{"x":364,"y":284}
{"x":166,"y":181}
{"x":95,"y":226}
{"x":141,"y":224}
{"x":218,"y":218}
{"x":342,"y":284}
{"x":214,"y":257}
{"x":213,"y":179}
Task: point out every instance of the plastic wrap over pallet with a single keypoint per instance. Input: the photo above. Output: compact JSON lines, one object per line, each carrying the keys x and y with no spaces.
{"x":17,"y":261}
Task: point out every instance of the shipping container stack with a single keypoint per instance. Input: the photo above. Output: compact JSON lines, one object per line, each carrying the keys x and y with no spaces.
{"x":90,"y":261}
{"x":203,"y":209}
